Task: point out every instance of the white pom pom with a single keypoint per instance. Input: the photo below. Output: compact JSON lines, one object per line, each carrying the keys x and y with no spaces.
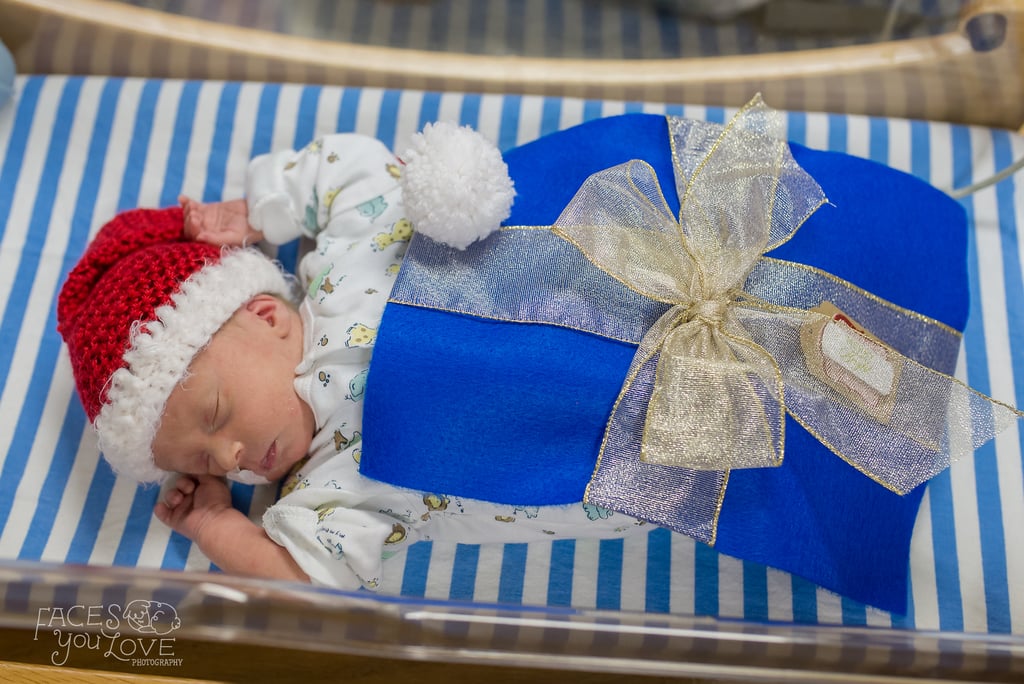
{"x":455,"y":185}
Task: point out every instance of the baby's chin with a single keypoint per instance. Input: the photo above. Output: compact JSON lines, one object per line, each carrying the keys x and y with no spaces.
{"x":290,"y":462}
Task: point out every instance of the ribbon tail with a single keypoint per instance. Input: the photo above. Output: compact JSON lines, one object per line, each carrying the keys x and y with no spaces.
{"x":689,"y":500}
{"x":716,"y":404}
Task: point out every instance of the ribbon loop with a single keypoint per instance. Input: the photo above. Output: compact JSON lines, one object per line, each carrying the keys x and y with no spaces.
{"x":717,"y":401}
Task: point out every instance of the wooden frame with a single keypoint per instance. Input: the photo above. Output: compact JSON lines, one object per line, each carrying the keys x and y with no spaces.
{"x":940,"y":78}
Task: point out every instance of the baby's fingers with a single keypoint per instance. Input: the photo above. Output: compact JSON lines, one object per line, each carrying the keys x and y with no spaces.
{"x":194,"y":224}
{"x":174,"y":496}
{"x":186,"y":484}
{"x":163,"y":513}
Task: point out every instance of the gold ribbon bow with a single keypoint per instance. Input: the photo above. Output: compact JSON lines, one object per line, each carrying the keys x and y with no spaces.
{"x":730,"y":365}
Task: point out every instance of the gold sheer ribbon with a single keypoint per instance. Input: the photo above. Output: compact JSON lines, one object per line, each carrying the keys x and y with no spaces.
{"x":730,"y":366}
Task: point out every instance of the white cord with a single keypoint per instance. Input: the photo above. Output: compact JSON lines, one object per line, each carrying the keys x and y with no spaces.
{"x":959,"y":193}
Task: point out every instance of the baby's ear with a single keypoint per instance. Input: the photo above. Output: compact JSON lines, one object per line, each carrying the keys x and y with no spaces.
{"x":271,"y":311}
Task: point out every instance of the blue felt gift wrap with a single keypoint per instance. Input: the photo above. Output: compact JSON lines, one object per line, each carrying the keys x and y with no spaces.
{"x":515,"y":412}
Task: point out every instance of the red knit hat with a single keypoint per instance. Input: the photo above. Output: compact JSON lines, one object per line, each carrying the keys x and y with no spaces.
{"x":140,"y":304}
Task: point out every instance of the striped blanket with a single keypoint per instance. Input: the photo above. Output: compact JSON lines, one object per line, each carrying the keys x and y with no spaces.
{"x":74,"y":151}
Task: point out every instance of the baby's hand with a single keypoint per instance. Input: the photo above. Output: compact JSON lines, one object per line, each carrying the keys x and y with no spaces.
{"x":219,"y":223}
{"x":193,"y":504}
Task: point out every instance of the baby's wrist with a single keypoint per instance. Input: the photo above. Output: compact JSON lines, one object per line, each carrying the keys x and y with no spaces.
{"x":218,"y":526}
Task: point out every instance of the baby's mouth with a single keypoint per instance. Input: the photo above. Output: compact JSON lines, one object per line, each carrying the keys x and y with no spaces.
{"x":267,"y":464}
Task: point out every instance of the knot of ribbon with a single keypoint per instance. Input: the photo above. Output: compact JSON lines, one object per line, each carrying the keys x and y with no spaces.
{"x":730,"y":366}
{"x":711,"y":311}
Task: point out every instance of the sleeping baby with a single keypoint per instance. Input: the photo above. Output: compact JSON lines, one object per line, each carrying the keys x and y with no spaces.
{"x":195,"y":355}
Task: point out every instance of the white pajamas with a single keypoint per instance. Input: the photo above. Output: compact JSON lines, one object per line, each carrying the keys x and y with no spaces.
{"x":339,"y":526}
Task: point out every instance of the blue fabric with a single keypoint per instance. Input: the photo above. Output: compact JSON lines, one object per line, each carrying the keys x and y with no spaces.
{"x":515,"y":412}
{"x":493,"y":450}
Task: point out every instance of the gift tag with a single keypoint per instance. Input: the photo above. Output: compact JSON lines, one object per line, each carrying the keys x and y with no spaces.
{"x":851,"y":360}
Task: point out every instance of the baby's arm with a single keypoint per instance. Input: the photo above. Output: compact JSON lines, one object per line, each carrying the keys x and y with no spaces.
{"x":290,"y":193}
{"x":199,"y":507}
{"x":333,"y":187}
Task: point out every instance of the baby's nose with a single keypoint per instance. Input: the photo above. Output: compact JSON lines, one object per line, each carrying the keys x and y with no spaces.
{"x":226,"y":455}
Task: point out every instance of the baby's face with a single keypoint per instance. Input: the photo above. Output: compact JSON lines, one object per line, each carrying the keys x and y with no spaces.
{"x":238,"y":408}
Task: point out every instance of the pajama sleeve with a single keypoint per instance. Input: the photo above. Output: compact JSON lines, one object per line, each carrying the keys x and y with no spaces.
{"x":337,"y":543}
{"x":341,"y":190}
{"x":314,"y":190}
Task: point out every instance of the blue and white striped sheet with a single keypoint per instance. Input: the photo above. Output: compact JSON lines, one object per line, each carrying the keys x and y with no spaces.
{"x":74,"y":151}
